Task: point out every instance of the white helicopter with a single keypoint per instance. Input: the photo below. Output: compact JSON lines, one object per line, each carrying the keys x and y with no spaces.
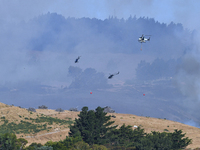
{"x":142,"y":39}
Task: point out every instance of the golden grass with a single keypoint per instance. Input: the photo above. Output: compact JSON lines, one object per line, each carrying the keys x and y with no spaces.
{"x":59,"y":133}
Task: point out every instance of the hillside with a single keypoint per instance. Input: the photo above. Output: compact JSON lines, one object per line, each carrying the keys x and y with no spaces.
{"x":58,"y":131}
{"x":31,"y":125}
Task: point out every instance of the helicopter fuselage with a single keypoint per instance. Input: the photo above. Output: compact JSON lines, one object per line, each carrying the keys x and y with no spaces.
{"x":76,"y":61}
{"x":110,"y":76}
{"x":142,"y":40}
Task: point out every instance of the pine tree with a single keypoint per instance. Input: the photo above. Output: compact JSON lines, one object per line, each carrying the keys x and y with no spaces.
{"x":178,"y":139}
{"x":92,"y":126}
{"x":102,"y":126}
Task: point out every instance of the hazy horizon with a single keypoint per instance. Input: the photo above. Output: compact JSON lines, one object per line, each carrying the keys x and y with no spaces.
{"x":40,"y":42}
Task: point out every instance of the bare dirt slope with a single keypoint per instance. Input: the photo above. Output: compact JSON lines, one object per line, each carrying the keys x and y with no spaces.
{"x":58,"y":133}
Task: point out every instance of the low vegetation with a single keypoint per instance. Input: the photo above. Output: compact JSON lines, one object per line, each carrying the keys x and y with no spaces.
{"x":31,"y":125}
{"x":92,"y":130}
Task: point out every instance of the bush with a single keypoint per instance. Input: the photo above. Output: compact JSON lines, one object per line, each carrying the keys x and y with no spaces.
{"x":98,"y":147}
{"x":59,"y":110}
{"x":34,"y":146}
{"x":42,"y":107}
{"x":73,"y":109}
{"x":9,"y":141}
{"x":108,"y":109}
{"x":31,"y":109}
{"x":164,"y":140}
{"x":44,"y":148}
{"x":113,"y":116}
{"x":81,"y":145}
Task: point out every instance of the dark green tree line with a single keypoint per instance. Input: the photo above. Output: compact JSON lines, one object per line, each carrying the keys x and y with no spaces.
{"x":94,"y":127}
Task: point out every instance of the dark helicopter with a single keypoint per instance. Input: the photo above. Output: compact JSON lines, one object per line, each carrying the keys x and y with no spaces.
{"x":111,"y":75}
{"x":76,"y":61}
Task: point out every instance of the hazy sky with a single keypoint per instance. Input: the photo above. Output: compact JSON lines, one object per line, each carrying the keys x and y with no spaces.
{"x":15,"y":59}
{"x":23,"y":66}
{"x":14,"y":55}
{"x":178,"y":11}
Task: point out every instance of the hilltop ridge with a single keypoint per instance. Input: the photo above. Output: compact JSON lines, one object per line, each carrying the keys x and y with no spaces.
{"x":58,"y":131}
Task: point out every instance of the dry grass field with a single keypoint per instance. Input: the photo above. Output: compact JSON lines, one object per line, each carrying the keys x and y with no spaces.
{"x":59,"y":132}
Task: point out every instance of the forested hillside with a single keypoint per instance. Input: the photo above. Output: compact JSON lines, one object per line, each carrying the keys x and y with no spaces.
{"x":110,"y":35}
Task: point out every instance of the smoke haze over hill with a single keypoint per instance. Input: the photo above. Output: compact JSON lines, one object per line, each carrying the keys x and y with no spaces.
{"x":38,"y":53}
